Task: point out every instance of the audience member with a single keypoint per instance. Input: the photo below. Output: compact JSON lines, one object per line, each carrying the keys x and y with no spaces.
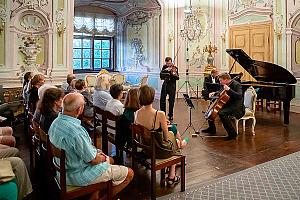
{"x":101,"y":96}
{"x":26,"y":86}
{"x":85,"y":164}
{"x":51,"y":105}
{"x":80,"y":86}
{"x":19,"y":169}
{"x":115,"y":106}
{"x":41,"y":91}
{"x":69,"y":88}
{"x":6,"y":136}
{"x":155,"y":120}
{"x":37,"y":81}
{"x":123,"y":133}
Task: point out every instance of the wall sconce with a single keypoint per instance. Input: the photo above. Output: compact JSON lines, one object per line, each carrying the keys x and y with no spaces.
{"x":60,"y":28}
{"x":223,"y":36}
{"x":171,"y":36}
{"x":2,"y":27}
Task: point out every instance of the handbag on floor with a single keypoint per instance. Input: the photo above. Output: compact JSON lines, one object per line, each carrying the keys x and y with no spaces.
{"x":6,"y":171}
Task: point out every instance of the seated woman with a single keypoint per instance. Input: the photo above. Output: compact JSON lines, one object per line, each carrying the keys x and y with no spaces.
{"x":6,"y":136}
{"x":131,"y":105}
{"x":37,"y":81}
{"x":50,"y":106}
{"x":101,"y":95}
{"x":156,"y":120}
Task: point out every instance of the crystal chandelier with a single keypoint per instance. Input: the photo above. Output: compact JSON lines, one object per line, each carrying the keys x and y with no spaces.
{"x":192,"y":28}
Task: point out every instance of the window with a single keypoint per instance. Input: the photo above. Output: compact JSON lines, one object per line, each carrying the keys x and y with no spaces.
{"x":93,"y":43}
{"x":92,"y":53}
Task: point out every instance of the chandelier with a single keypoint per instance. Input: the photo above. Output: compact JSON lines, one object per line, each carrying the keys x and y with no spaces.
{"x":192,"y":27}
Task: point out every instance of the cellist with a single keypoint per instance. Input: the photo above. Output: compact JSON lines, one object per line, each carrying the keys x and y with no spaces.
{"x":233,"y":108}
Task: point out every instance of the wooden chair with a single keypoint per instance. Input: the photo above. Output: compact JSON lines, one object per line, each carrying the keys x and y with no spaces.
{"x":71,"y":192}
{"x":110,"y":133}
{"x":140,"y":134}
{"x":90,"y":82}
{"x":273,"y":106}
{"x":99,"y":120}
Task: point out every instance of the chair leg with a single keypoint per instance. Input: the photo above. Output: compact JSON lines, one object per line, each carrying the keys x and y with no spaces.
{"x":153,"y":183}
{"x":162,"y":176}
{"x":183,"y":174}
{"x":253,"y":126}
{"x":244,"y":125}
{"x":237,"y":126}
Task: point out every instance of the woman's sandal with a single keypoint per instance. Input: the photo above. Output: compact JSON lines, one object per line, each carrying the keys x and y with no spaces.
{"x":173,"y":181}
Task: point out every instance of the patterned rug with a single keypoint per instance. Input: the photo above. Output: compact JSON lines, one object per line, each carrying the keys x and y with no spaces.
{"x":276,"y":179}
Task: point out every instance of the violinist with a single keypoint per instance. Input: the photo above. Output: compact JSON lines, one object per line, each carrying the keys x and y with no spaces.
{"x":170,"y":77}
{"x":233,"y":108}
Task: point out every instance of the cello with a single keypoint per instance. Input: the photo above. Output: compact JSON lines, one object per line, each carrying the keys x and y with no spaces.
{"x":222,"y":98}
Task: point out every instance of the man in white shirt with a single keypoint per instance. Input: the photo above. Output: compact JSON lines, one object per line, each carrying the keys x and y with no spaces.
{"x":115,"y":106}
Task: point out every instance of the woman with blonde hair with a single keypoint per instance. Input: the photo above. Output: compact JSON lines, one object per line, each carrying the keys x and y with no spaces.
{"x":101,"y":95}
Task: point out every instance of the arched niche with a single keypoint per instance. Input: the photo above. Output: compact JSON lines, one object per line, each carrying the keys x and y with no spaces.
{"x":26,"y":25}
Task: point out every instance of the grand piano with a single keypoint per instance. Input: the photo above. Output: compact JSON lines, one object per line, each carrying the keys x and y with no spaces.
{"x":275,"y":82}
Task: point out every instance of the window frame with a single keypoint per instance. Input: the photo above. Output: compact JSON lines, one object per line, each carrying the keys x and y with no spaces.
{"x":112,"y":59}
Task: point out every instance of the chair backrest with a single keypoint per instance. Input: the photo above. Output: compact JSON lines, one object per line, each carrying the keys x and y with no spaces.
{"x":144,"y":80}
{"x":59,"y":167}
{"x":103,"y":82}
{"x":250,"y":97}
{"x":99,"y":118}
{"x":143,"y":138}
{"x":90,"y":80}
{"x":117,"y":79}
{"x":44,"y":140}
{"x":112,"y":122}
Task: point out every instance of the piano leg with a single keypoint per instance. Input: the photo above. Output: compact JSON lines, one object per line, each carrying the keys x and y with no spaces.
{"x":286,"y":112}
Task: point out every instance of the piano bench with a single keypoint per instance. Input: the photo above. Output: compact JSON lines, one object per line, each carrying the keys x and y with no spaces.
{"x":273,"y":106}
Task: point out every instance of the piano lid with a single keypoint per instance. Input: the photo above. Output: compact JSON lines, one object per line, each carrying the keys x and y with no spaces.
{"x":262,"y":71}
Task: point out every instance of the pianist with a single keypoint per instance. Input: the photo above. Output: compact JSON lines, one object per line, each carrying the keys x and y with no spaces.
{"x":211,"y":83}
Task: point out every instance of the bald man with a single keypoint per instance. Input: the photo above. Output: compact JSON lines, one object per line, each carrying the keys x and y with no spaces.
{"x":85,"y":164}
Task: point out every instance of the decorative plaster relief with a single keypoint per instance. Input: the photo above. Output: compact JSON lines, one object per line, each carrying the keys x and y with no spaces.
{"x":137,"y":19}
{"x":30,"y":49}
{"x":198,"y":58}
{"x":59,"y":22}
{"x":34,"y":5}
{"x":240,"y":5}
{"x":31,"y":4}
{"x":2,"y":13}
{"x":31,"y":22}
{"x":137,"y":59}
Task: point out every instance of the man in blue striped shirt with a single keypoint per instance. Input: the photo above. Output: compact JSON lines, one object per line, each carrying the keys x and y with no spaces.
{"x":85,"y":164}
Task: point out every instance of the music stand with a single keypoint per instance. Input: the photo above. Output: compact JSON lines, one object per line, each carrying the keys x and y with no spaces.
{"x":190,"y":104}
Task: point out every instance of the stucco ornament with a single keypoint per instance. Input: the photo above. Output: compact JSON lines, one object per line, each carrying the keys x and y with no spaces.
{"x":30,"y":49}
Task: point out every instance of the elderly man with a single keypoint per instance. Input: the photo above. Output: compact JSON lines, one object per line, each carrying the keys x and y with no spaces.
{"x":85,"y":164}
